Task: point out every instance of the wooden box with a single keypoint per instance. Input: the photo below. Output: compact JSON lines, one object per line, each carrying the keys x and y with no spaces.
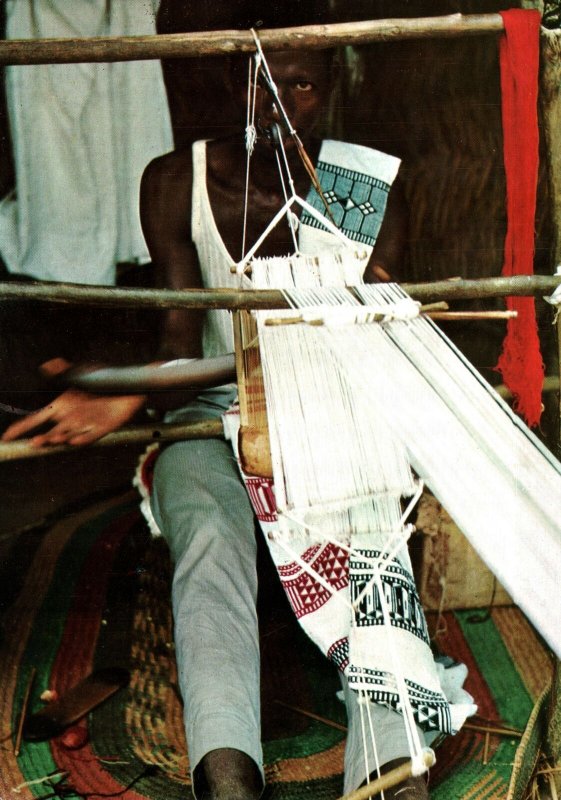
{"x":450,"y":574}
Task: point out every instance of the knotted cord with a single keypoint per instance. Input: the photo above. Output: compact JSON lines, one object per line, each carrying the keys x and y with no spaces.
{"x":270,"y":86}
{"x":250,"y":135}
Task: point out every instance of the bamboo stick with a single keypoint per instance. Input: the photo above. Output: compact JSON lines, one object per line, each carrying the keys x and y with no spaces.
{"x":462,"y":316}
{"x":311,"y":715}
{"x":232,"y":299}
{"x":391,"y":778}
{"x":207,"y":43}
{"x":493,"y":729}
{"x":450,"y":316}
{"x":141,"y":434}
{"x":23,"y":712}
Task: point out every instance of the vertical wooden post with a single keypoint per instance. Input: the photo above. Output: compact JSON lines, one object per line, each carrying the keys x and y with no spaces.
{"x":553,"y":743}
{"x":550,"y":99}
{"x":550,"y":94}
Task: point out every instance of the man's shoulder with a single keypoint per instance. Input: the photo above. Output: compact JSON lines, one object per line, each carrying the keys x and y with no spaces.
{"x":171,"y":168}
{"x":224,"y":157}
{"x":166,"y":189}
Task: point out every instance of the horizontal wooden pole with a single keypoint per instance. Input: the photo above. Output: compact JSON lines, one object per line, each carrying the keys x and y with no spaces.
{"x":482,"y":288}
{"x":202,"y":372}
{"x":388,"y":780}
{"x":74,"y":294}
{"x":470,"y":316}
{"x":550,"y":384}
{"x":232,"y":299}
{"x":445,"y":316}
{"x":166,"y":432}
{"x":209,"y":43}
{"x":140,"y":434}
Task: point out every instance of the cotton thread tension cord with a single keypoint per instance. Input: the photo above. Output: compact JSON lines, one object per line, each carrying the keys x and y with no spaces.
{"x":328,"y":224}
{"x":250,"y":137}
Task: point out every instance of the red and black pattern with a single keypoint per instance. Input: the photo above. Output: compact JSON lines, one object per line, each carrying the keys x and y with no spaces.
{"x":338,"y":653}
{"x":306,"y":594}
{"x":262,"y":496}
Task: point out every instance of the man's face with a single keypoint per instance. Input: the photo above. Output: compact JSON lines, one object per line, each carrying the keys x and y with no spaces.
{"x":303,"y":82}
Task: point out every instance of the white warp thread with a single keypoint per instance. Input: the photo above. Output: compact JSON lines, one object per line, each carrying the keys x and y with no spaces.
{"x":340,"y":476}
{"x":497,"y":480}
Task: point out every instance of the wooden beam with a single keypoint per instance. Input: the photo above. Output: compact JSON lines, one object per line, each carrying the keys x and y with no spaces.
{"x":75,"y":294}
{"x":481,"y":288}
{"x":209,"y":43}
{"x":550,"y":384}
{"x":193,"y":373}
{"x":166,"y":432}
{"x":140,"y":434}
{"x":233,"y":299}
{"x":550,"y":100}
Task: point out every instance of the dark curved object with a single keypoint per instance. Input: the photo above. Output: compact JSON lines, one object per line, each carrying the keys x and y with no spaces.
{"x":55,"y":717}
{"x":198,"y":373}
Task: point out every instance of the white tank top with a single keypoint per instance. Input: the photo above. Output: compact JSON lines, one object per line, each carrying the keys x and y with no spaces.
{"x":214,"y":259}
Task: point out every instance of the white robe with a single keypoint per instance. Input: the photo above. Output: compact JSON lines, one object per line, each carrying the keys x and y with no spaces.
{"x":82,"y":135}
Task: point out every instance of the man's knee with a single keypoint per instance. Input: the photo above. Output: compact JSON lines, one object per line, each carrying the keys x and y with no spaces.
{"x":198,"y":492}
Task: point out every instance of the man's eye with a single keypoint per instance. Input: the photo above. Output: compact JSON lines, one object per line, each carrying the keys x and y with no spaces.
{"x":304,"y":86}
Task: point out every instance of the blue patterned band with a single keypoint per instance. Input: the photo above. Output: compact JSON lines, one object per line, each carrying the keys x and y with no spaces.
{"x":356,"y":201}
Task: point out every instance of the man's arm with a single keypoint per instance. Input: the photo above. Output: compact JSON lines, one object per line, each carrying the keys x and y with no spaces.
{"x":74,"y":417}
{"x":386,"y":261}
{"x":165,"y":213}
{"x":80,"y":418}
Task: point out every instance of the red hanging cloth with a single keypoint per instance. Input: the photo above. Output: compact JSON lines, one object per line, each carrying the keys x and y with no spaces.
{"x":521,"y":363}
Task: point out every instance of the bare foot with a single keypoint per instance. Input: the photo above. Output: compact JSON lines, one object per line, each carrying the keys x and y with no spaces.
{"x":228,"y":774}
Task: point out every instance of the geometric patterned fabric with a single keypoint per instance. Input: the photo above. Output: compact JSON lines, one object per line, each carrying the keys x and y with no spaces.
{"x":356,"y":201}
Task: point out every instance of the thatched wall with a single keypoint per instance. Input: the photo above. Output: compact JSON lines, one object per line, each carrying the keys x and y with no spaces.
{"x":436,"y":104}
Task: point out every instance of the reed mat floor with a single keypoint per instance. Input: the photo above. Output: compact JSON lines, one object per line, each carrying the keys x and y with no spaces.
{"x":90,"y":589}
